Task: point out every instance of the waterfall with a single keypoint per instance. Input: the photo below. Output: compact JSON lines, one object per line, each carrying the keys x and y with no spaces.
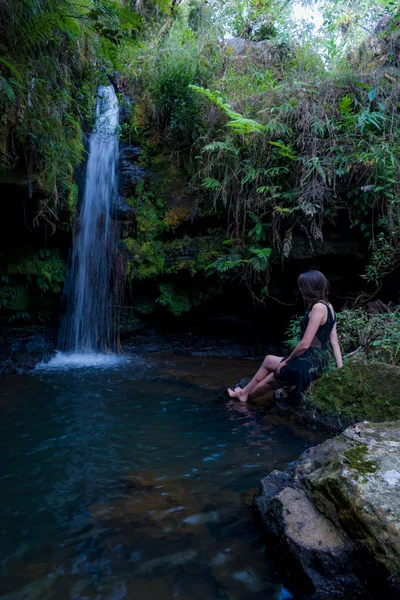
{"x":86,"y":326}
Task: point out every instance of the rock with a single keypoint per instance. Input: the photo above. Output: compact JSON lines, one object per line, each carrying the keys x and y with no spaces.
{"x":130,"y":173}
{"x":322,"y":549}
{"x":337,"y":512}
{"x":333,"y":244}
{"x":130,"y":153}
{"x":21,"y":349}
{"x":121,"y":209}
{"x":130,"y":176}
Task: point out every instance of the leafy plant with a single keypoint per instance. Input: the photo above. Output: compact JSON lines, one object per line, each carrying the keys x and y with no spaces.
{"x":259,"y":260}
{"x":177,"y":301}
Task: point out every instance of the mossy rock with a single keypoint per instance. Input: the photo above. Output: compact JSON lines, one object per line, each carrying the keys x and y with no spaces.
{"x":359,"y":391}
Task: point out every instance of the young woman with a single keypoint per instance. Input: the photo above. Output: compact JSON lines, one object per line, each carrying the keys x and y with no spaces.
{"x":310,"y":356}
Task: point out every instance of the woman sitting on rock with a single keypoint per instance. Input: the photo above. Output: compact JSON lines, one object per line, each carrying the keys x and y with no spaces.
{"x":310,"y":356}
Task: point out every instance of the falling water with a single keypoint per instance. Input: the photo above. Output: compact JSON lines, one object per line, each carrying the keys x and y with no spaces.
{"x":86,"y":326}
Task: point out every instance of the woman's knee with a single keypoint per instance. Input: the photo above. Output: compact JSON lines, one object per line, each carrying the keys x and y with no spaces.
{"x":268,"y":362}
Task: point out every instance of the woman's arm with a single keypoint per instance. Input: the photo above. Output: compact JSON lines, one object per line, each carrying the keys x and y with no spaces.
{"x":333,"y":338}
{"x":315,"y":319}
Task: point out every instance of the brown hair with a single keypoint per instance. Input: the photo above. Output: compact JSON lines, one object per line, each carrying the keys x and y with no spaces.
{"x":313,"y":286}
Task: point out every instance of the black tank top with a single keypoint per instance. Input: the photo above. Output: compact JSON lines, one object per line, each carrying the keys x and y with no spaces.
{"x":324,"y":331}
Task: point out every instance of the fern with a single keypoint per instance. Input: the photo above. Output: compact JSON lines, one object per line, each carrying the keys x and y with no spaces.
{"x":211,"y":184}
{"x":222,"y":147}
{"x":226,"y":263}
{"x":260,"y":259}
{"x":346,"y":106}
{"x":237,"y":123}
{"x":11,"y":68}
{"x":7,"y":89}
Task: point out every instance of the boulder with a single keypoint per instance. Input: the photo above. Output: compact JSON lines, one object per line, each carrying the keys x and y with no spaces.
{"x":337,"y":512}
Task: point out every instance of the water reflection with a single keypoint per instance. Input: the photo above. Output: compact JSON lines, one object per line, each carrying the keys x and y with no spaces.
{"x":118,"y":485}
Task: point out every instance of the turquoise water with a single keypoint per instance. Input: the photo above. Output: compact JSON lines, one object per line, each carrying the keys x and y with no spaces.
{"x":132,"y":481}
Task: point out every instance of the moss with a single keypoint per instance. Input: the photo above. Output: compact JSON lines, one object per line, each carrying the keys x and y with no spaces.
{"x":357,"y":459}
{"x":72,"y":199}
{"x":360,"y":390}
{"x":147,"y":214}
{"x":209,"y":249}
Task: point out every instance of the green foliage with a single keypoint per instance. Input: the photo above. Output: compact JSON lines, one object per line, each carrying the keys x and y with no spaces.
{"x":260,"y":259}
{"x":55,"y":53}
{"x":165,"y":69}
{"x":237,"y":122}
{"x":31,"y":286}
{"x":177,"y":301}
{"x":8,"y":293}
{"x":381,"y":338}
{"x":385,"y":257}
{"x":292,"y":333}
{"x":350,"y":325}
{"x":45,"y":269}
{"x":377,"y":336}
{"x":177,"y":67}
{"x":280,"y":138}
{"x":146,"y":259}
{"x":228,"y":264}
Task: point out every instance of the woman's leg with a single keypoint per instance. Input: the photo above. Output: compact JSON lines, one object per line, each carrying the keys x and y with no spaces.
{"x":268,"y":366}
{"x":265,"y":386}
{"x":262,"y":387}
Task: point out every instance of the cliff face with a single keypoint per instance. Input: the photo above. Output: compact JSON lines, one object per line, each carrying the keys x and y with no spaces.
{"x":336,"y":512}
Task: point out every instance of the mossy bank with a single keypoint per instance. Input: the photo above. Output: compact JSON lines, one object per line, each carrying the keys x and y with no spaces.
{"x":360,"y":391}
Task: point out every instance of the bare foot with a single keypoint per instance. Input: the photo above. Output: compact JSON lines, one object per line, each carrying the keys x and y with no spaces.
{"x":238,"y":394}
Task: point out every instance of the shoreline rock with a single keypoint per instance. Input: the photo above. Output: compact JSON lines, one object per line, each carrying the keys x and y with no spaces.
{"x":336,"y":512}
{"x":22,"y":349}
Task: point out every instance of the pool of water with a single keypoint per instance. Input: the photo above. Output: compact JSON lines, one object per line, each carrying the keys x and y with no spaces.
{"x":132,"y":481}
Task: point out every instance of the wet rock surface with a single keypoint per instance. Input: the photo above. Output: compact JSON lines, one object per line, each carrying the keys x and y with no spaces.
{"x":22,"y":349}
{"x":130,"y":172}
{"x":336,"y":512}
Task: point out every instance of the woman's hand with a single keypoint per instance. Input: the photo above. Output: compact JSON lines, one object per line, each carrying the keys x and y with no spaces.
{"x":281,"y":366}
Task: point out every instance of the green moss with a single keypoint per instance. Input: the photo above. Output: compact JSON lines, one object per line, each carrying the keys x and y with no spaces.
{"x":148,"y":215}
{"x":360,"y":390}
{"x":356,"y":457}
{"x":72,"y":199}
